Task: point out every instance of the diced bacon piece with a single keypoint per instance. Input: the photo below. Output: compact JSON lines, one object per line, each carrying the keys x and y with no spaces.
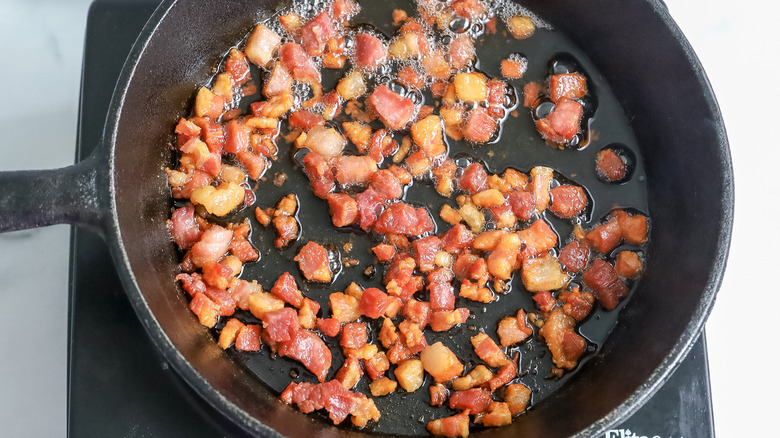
{"x":544,"y":300}
{"x":412,"y":336}
{"x":344,"y":308}
{"x":442,"y":296}
{"x":308,"y":349}
{"x":417,"y":312}
{"x":512,"y":330}
{"x":628,"y":264}
{"x":198,"y":153}
{"x":394,"y":110}
{"x":427,"y":134}
{"x":522,"y":204}
{"x":502,"y":260}
{"x":316,"y":33}
{"x":213,"y":244}
{"x":513,"y":68}
{"x":474,"y":178}
{"x":384,"y":252}
{"x":418,"y":163}
{"x":468,"y":8}
{"x":605,"y":237}
{"x":320,"y":174}
{"x":370,"y":53}
{"x":537,"y":239}
{"x":461,"y":51}
{"x":229,"y":333}
{"x":185,"y":131}
{"x":517,"y":397}
{"x":387,"y":334}
{"x":609,"y":165}
{"x":207,"y":310}
{"x":208,"y":104}
{"x":281,"y":325}
{"x":569,"y":86}
{"x":307,"y":314}
{"x":370,"y":204}
{"x":334,"y":398}
{"x":498,"y":414}
{"x":441,"y":320}
{"x":299,"y":63}
{"x":577,"y":304}
{"x":354,"y":335}
{"x":574,"y":256}
{"x":479,"y":126}
{"x":457,"y":238}
{"x":474,"y":400}
{"x":350,"y":373}
{"x":217,"y":274}
{"x":488,"y":240}
{"x":488,"y":198}
{"x":343,"y":209}
{"x":386,"y":184}
{"x":278,"y":82}
{"x":327,"y":142}
{"x":633,"y":228}
{"x":402,"y":218}
{"x":496,"y":92}
{"x":240,"y":291}
{"x":425,"y":251}
{"x":541,"y":177}
{"x":440,"y":362}
{"x":261,"y":303}
{"x":329,"y":326}
{"x":563,"y":123}
{"x":342,"y":10}
{"x":504,"y":375}
{"x":410,"y":374}
{"x":287,"y":228}
{"x":439,"y":394}
{"x":568,"y":201}
{"x":286,"y":289}
{"x":487,"y":350}
{"x":184,"y":228}
{"x":440,"y":275}
{"x":192,"y":283}
{"x":306,"y":120}
{"x":314,"y":263}
{"x":253,"y":163}
{"x":248,"y":338}
{"x":543,"y":274}
{"x":410,"y":77}
{"x":373,"y":302}
{"x":456,"y":425}
{"x":531,"y":92}
{"x":602,"y":278}
{"x":237,"y":66}
{"x":261,"y":45}
{"x":377,"y":365}
{"x":564,"y":343}
{"x":354,"y":169}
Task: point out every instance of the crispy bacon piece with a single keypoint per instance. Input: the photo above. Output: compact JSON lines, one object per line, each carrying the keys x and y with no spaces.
{"x":569,"y":86}
{"x":229,"y":333}
{"x":278,"y":82}
{"x":354,"y":335}
{"x":512,"y":330}
{"x":564,"y":343}
{"x":350,"y":373}
{"x":394,"y":110}
{"x":602,"y":278}
{"x":574,"y":256}
{"x":370,"y":53}
{"x":628,"y":264}
{"x":568,"y":201}
{"x":314,"y":262}
{"x":544,"y":300}
{"x":633,"y":228}
{"x":504,"y":375}
{"x":343,"y":209}
{"x":237,"y":66}
{"x":236,"y":137}
{"x":308,"y":349}
{"x":331,"y":396}
{"x":563,"y":123}
{"x":543,"y":274}
{"x":487,"y":350}
{"x":207,"y":310}
{"x":439,"y":394}
{"x":531,"y":92}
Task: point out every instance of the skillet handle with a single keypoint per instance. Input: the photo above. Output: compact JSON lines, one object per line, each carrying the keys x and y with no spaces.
{"x":37,"y":198}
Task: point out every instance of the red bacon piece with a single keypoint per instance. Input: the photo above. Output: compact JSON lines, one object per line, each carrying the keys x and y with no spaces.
{"x":286,"y":288}
{"x":308,"y":349}
{"x":213,"y":244}
{"x":299,"y":63}
{"x":474,"y":178}
{"x":387,"y":184}
{"x":248,"y":338}
{"x":574,"y":256}
{"x":425,"y":251}
{"x":370,"y":53}
{"x":373,"y":302}
{"x":304,"y":119}
{"x":369,"y":206}
{"x":562,"y":124}
{"x":480,"y":126}
{"x":314,"y":262}
{"x":343,"y":209}
{"x":394,"y":110}
{"x":602,"y":278}
{"x":568,"y":201}
{"x":184,"y":228}
{"x":567,"y":86}
{"x":442,"y":296}
{"x":354,"y":169}
{"x":354,"y":335}
{"x":457,"y":238}
{"x":320,"y":174}
{"x":281,"y":325}
{"x":329,"y":326}
{"x":474,"y":400}
{"x":316,"y":33}
{"x":402,"y":218}
{"x":331,"y":396}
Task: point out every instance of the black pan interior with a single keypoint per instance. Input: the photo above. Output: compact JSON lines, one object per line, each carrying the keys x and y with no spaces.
{"x":677,"y":130}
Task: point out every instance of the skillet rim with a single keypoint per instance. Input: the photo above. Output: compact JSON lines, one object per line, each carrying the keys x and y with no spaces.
{"x":630,"y":405}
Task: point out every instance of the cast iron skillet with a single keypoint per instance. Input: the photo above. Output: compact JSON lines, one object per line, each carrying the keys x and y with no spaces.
{"x":121,"y":192}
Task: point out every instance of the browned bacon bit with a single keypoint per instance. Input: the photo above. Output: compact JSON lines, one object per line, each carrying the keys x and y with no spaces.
{"x":602,"y":278}
{"x":439,"y":394}
{"x":628,"y":264}
{"x":633,"y":228}
{"x":604,"y":238}
{"x":308,"y":349}
{"x":456,"y":425}
{"x":512,"y":330}
{"x":577,"y":304}
{"x":567,"y":86}
{"x":488,"y":351}
{"x":564,"y":343}
{"x":331,"y":396}
{"x":562,"y":124}
{"x":574,"y":256}
{"x":610,"y":166}
{"x":517,"y":397}
{"x":473,"y":400}
{"x":568,"y":201}
{"x":498,"y":414}
{"x":504,"y":375}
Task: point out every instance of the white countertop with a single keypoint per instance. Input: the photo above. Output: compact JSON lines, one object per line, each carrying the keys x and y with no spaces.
{"x":41,"y":52}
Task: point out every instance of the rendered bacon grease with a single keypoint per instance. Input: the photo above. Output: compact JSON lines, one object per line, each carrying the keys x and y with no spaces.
{"x":361,"y":144}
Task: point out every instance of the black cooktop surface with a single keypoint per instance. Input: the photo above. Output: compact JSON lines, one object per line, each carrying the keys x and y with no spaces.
{"x":119,"y":385}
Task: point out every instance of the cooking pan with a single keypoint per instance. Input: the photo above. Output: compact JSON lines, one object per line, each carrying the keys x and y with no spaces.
{"x":121,"y":192}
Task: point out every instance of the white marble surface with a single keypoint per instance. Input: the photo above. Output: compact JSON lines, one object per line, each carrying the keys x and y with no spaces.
{"x":41,"y":49}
